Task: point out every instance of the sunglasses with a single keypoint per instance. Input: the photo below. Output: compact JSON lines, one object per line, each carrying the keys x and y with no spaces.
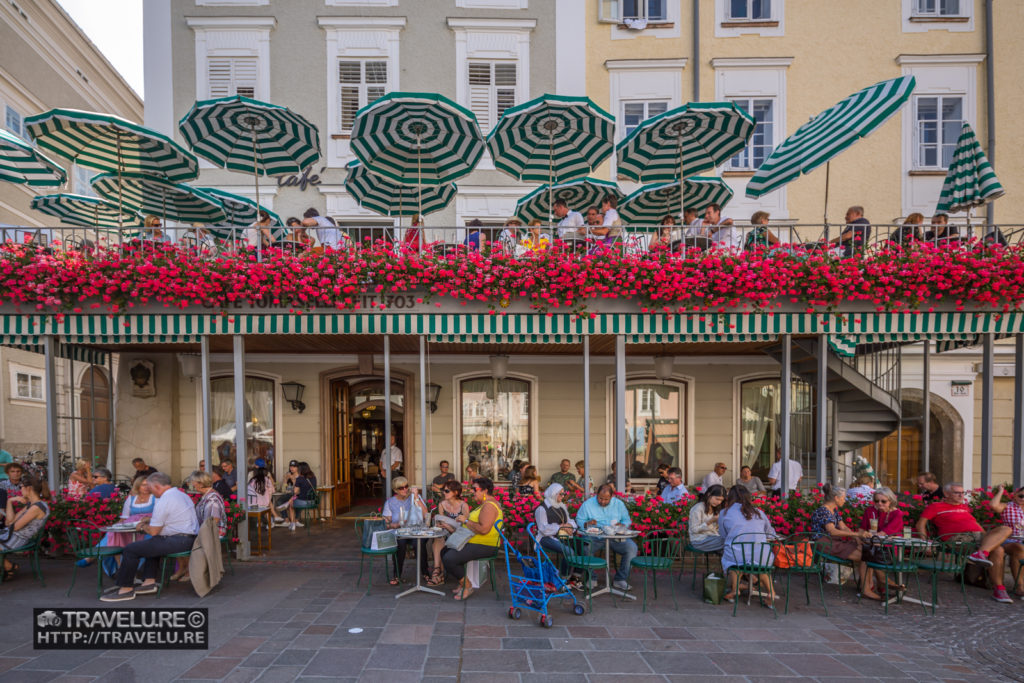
{"x":401,"y":488}
{"x":881,"y":500}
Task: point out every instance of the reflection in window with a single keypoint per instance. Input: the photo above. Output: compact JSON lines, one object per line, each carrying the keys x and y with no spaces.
{"x":760,"y":408}
{"x":653,"y":432}
{"x":495,"y":424}
{"x":259,"y":420}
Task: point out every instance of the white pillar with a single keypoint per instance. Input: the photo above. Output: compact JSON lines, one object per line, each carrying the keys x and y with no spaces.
{"x":423,"y":413}
{"x":204,"y":361}
{"x":387,"y":418}
{"x":620,"y":412}
{"x":987,"y":400}
{"x":821,"y":417}
{"x":238,"y":356}
{"x":785,"y":394}
{"x":50,"y":386}
{"x":586,"y":416}
{"x":1018,"y":410}
{"x":926,"y":408}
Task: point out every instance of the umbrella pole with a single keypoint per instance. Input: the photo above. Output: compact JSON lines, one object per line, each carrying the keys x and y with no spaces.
{"x":682,"y":198}
{"x":256,"y":175}
{"x":828,"y":164}
{"x":120,"y":190}
{"x":551,"y":174}
{"x":419,"y":176}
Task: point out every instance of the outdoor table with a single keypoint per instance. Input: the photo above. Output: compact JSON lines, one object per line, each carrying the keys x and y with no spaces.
{"x":608,"y":538}
{"x":419,"y":534}
{"x":900,"y":543}
{"x":258,"y":513}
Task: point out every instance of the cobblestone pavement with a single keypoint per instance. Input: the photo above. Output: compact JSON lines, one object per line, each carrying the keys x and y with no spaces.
{"x":293,"y":616}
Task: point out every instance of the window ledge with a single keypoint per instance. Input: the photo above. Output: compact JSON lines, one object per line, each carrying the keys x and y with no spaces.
{"x":650,"y":24}
{"x":927,"y":172}
{"x":31,"y":402}
{"x":737,"y":174}
{"x":735,"y":23}
{"x":939,"y":20}
{"x":341,"y":136}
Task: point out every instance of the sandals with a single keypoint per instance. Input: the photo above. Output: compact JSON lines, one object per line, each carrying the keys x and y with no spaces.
{"x":464,"y":593}
{"x":436,"y":577}
{"x":394,"y":582}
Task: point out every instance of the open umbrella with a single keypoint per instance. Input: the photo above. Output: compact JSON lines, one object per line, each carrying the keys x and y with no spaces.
{"x":111,"y":144}
{"x":829,"y":133}
{"x":417,"y":139}
{"x":89,"y":212}
{"x":649,"y":204}
{"x":553,"y":139}
{"x":243,"y":134}
{"x":691,"y":139}
{"x":21,"y":163}
{"x":389,"y":198}
{"x":970,"y":180}
{"x":148,"y":195}
{"x":241,"y":211}
{"x":585,"y":192}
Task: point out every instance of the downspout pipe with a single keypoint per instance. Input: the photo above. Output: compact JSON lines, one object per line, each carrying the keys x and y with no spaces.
{"x":696,"y":54}
{"x":990,"y":100}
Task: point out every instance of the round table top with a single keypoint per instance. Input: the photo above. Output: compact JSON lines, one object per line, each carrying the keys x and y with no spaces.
{"x":630,"y":533}
{"x":418,"y":532}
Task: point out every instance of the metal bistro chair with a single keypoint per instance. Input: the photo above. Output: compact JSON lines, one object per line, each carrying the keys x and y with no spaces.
{"x":33,"y":547}
{"x":169,"y":560}
{"x":897,"y":559}
{"x":311,"y":514}
{"x":365,"y":552}
{"x":687,"y":548}
{"x":657,"y":551}
{"x":803,"y":554}
{"x":578,"y":555}
{"x":947,"y":557}
{"x":755,"y":559}
{"x":83,"y":540}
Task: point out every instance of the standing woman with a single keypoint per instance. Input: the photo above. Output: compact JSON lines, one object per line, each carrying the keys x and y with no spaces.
{"x":453,"y":506}
{"x":27,"y":523}
{"x":80,"y":480}
{"x":485,"y":539}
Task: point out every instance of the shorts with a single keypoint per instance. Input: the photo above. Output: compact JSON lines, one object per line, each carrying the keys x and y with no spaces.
{"x":966,"y":537}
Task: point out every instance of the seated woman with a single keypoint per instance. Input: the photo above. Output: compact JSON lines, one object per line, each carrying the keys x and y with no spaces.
{"x":553,"y":520}
{"x":910,"y":231}
{"x":209,"y":505}
{"x":452,"y":506}
{"x":703,"y":524}
{"x":27,"y":523}
{"x":303,"y":494}
{"x":259,"y":491}
{"x":842,"y":542}
{"x":760,"y":235}
{"x":397,"y":512}
{"x":741,"y":517}
{"x":883,"y":518}
{"x":530,"y":485}
{"x":137,"y":506}
{"x":485,"y":540}
{"x":864,"y":489}
{"x":535,"y":240}
{"x":1011,"y":514}
{"x":80,"y":480}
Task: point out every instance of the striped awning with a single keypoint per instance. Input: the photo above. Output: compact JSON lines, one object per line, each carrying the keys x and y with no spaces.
{"x":83,"y":354}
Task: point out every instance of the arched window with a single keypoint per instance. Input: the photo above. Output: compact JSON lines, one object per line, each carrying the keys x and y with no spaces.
{"x":94,"y":408}
{"x":495,"y":415}
{"x":259,"y":419}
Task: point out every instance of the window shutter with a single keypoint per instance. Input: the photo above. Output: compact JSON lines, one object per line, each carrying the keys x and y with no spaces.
{"x":219,"y":76}
{"x":349,"y":77}
{"x":505,"y":87}
{"x":227,"y":76}
{"x":480,"y":93}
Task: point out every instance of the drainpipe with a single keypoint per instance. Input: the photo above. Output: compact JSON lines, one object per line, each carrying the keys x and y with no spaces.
{"x":990,"y":100}
{"x":696,"y":55}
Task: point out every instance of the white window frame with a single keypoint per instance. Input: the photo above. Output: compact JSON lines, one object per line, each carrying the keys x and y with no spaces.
{"x":937,"y":12}
{"x":231,"y":3}
{"x":492,"y":86}
{"x":750,"y":8}
{"x":83,"y":185}
{"x":917,"y":163}
{"x":361,"y":3}
{"x":20,"y":132}
{"x":647,"y":104}
{"x":233,"y":37}
{"x":746,"y":99}
{"x":613,"y":12}
{"x":362,"y":87}
{"x":356,"y":38}
{"x":456,"y":394}
{"x":634,"y":80}
{"x":487,"y":203}
{"x":916,"y":22}
{"x":727,"y":27}
{"x":16,"y":369}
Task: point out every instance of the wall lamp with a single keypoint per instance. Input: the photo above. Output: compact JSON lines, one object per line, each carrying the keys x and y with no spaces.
{"x":293,"y":394}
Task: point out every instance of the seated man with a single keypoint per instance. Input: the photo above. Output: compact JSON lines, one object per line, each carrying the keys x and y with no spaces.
{"x":602,"y":510}
{"x":563,"y":476}
{"x":141,"y":468}
{"x":928,"y":487}
{"x":676,"y":489}
{"x":102,"y":486}
{"x":228,"y":474}
{"x":172,"y":528}
{"x":714,"y":476}
{"x":219,"y":484}
{"x":954,"y":521}
{"x":855,"y":235}
{"x":440,"y":480}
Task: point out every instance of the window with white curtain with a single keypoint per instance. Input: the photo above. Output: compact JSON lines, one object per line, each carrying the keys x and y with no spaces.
{"x":635,"y":113}
{"x":939,"y":120}
{"x":495,"y":430}
{"x":750,"y":10}
{"x":655,"y":420}
{"x":259,"y":419}
{"x":617,"y":11}
{"x":14,"y":121}
{"x":760,"y":410}
{"x":936,"y":8}
{"x":762,"y":141}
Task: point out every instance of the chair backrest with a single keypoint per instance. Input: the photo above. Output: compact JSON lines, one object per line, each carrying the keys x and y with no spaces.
{"x":801,"y":551}
{"x":658,"y":543}
{"x":577,"y":547}
{"x":82,"y":536}
{"x":951,"y":556}
{"x":754,"y":552}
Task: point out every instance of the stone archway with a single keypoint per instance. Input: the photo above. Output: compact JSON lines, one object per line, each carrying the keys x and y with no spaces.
{"x":946,"y":428}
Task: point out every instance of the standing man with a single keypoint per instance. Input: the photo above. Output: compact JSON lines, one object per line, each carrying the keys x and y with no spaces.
{"x":568,"y":220}
{"x":854,"y":236}
{"x":714,"y":476}
{"x":795,"y":474}
{"x":229,"y":475}
{"x":173,"y":528}
{"x":141,"y":469}
{"x":676,"y":489}
{"x":393,"y":457}
{"x":326,"y":231}
{"x":719,"y":228}
{"x":563,"y":476}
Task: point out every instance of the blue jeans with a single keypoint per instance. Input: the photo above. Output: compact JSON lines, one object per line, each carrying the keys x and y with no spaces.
{"x":625,"y":549}
{"x":553,"y":545}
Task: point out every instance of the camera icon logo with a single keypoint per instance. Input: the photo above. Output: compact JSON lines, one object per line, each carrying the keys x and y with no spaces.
{"x":48,"y":618}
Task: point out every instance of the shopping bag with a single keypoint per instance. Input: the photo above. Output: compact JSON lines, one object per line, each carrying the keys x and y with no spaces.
{"x":793,"y":554}
{"x":458,"y":539}
{"x":384,"y":540}
{"x":370,"y":526}
{"x":714,"y":588}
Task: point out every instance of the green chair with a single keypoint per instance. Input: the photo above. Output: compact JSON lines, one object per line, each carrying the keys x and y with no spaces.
{"x":755,"y":557}
{"x":489,"y":562}
{"x":579,"y":555}
{"x":164,"y":562}
{"x":687,"y":548}
{"x":826,"y":557}
{"x":83,"y":540}
{"x":656,"y":552}
{"x":33,"y":547}
{"x":226,"y":542}
{"x":895,"y":558}
{"x":310,"y":514}
{"x":365,"y":552}
{"x":949,"y":557}
{"x":803,"y":548}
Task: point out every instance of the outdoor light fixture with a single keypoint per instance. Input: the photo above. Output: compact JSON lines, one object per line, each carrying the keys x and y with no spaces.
{"x":663,"y":367}
{"x":191,"y":365}
{"x":433,"y":392}
{"x":499,"y":366}
{"x":293,"y":394}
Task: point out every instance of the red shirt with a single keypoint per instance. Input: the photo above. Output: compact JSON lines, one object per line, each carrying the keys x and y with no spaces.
{"x":951,"y":519}
{"x":891,"y":524}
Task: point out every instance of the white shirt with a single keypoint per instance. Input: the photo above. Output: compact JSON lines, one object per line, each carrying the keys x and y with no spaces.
{"x":326,"y":232}
{"x":175,"y":513}
{"x":861,"y":493}
{"x":796,"y":472}
{"x":726,"y":236}
{"x":568,"y":225}
{"x":394,"y":454}
{"x":710,"y":479}
{"x":611,"y":216}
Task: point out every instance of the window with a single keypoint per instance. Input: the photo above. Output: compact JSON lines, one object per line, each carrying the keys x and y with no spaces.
{"x":232,"y":56}
{"x":618,"y":11}
{"x":760,"y":410}
{"x":28,"y":386}
{"x":937,"y":8}
{"x":654,"y":434}
{"x":492,"y":90}
{"x":14,"y":122}
{"x":938,"y":123}
{"x":495,"y":424}
{"x":82,"y":180}
{"x":750,"y":10}
{"x":360,"y":82}
{"x":762,"y":141}
{"x":228,"y":76}
{"x":259,"y":419}
{"x":635,"y":113}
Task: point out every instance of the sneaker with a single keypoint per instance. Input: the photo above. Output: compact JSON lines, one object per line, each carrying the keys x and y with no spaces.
{"x":980,"y":558}
{"x":1000,"y":595}
{"x":282,"y":506}
{"x":117,"y":597}
{"x":282,"y":523}
{"x":147,"y":588}
{"x":622,"y":585}
{"x":279,"y":520}
{"x":298,"y":523}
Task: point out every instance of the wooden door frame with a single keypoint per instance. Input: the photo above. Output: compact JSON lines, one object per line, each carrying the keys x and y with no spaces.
{"x":347,"y":373}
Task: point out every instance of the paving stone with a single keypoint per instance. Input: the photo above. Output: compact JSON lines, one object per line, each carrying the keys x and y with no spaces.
{"x":333,"y":661}
{"x":444,"y":646}
{"x":525,"y":644}
{"x":617,"y":662}
{"x":294,"y":657}
{"x":407,"y":634}
{"x":399,"y":657}
{"x":815,"y":665}
{"x":766,"y":666}
{"x":559,"y":662}
{"x":280,"y":674}
{"x":498,"y":661}
{"x":691,"y":663}
{"x":212,"y":668}
{"x":441,"y":666}
{"x":239,"y":647}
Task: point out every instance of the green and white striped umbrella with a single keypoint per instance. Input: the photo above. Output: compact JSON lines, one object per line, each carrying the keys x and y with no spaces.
{"x":552,"y":139}
{"x":651,"y":203}
{"x":89,"y":212}
{"x":240,"y":210}
{"x":22,"y":163}
{"x":389,"y":198}
{"x":690,"y":139}
{"x":417,"y":138}
{"x":148,"y":195}
{"x":829,"y":133}
{"x":111,"y":144}
{"x":970,"y":180}
{"x":577,"y":194}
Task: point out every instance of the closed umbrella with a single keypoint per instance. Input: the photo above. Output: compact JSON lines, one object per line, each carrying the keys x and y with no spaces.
{"x":829,"y":133}
{"x":390,"y":198}
{"x":651,"y":203}
{"x":21,"y":163}
{"x":970,"y":180}
{"x":89,"y":212}
{"x":148,"y":195}
{"x":553,"y":139}
{"x":240,"y":210}
{"x":537,"y":205}
{"x":417,"y":139}
{"x":691,"y":139}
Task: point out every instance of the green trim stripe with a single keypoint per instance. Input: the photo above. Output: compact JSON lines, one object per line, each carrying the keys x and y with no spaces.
{"x":21,"y":163}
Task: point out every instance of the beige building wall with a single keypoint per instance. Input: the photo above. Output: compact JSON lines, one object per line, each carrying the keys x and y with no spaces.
{"x":1002,"y":432}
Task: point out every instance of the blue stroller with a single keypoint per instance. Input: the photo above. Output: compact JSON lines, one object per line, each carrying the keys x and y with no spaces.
{"x":538,"y":584}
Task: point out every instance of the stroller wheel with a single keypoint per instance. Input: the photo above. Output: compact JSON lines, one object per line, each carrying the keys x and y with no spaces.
{"x":546,"y":621}
{"x":514,"y":613}
{"x":578,"y":610}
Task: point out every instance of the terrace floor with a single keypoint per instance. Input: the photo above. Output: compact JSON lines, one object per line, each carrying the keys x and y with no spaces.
{"x":287,"y":616}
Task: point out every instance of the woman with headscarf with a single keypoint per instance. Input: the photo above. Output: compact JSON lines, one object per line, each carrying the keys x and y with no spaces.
{"x":553,"y":520}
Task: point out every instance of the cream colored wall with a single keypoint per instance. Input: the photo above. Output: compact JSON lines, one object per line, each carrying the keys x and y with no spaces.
{"x":1008,"y":26}
{"x":150,"y":428}
{"x":1002,"y":432}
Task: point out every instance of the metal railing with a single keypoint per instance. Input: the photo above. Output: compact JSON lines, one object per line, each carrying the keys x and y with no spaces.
{"x":880,"y":364}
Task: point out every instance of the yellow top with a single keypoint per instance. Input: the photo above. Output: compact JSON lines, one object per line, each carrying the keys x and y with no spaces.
{"x":491,"y":538}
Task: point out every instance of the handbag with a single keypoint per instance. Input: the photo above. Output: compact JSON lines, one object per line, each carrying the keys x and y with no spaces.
{"x":459,"y":538}
{"x":370,"y":527}
{"x":714,"y":588}
{"x":415,"y":513}
{"x":384,"y":540}
{"x":799,"y":554}
{"x":876,"y":552}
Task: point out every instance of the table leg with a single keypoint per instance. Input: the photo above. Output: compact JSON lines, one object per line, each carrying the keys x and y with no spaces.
{"x":419,"y":579}
{"x":608,"y":588}
{"x":270,"y":526}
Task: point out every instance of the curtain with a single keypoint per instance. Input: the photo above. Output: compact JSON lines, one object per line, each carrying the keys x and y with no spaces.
{"x":758,"y":411}
{"x":259,"y":418}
